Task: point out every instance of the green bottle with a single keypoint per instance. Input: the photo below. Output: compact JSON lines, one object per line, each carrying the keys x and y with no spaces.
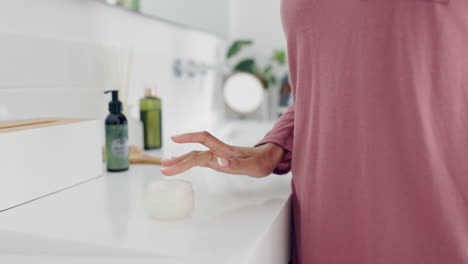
{"x":116,"y":136}
{"x":151,"y":116}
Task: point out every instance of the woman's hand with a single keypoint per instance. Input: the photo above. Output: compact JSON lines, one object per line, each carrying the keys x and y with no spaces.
{"x":255,"y":162}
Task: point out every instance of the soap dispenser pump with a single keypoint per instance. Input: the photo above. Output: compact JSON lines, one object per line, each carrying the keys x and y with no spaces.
{"x":116,"y":136}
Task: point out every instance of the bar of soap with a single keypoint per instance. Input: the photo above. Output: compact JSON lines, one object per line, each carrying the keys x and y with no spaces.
{"x":170,"y":200}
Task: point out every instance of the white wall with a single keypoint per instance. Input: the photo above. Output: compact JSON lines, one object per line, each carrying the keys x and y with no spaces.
{"x":258,"y":20}
{"x":58,"y":56}
{"x":209,"y":15}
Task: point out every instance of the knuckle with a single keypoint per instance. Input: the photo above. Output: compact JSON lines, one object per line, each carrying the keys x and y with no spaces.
{"x":196,"y":158}
{"x":205,"y":136}
{"x":205,"y":133}
{"x":210,"y":155}
{"x":231,"y":148}
{"x":200,"y":158}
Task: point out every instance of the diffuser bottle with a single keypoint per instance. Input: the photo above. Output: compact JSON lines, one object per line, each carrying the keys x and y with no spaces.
{"x":151,"y":116}
{"x":116,"y":136}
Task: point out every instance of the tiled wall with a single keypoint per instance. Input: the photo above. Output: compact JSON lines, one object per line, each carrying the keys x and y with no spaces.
{"x":58,"y":56}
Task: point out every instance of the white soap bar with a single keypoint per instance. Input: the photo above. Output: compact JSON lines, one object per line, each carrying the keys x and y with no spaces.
{"x":169,"y":200}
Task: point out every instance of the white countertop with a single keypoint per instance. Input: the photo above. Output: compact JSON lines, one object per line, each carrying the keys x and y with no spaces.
{"x":236,"y":220}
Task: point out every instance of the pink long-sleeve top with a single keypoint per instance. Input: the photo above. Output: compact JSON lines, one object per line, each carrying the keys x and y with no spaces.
{"x":377,"y":136}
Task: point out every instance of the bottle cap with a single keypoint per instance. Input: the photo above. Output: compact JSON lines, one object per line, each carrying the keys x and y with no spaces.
{"x":115,"y":106}
{"x":149,"y":92}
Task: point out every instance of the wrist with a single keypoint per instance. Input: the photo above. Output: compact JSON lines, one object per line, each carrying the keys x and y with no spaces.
{"x":274,"y":150}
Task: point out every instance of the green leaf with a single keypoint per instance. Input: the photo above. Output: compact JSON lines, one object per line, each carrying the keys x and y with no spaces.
{"x":268,"y":69}
{"x":247,"y":65}
{"x":236,"y":47}
{"x":279,"y":56}
{"x":273,"y":80}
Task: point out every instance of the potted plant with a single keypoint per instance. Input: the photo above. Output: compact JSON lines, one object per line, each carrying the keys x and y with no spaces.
{"x":266,"y":73}
{"x":271,"y":75}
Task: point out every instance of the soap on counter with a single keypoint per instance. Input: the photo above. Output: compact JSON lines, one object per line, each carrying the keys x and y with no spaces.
{"x":170,"y":200}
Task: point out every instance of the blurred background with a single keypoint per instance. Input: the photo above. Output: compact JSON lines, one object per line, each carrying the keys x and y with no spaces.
{"x":214,"y":65}
{"x":58,"y":56}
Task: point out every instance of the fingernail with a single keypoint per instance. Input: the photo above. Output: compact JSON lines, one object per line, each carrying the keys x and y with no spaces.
{"x":222,"y":162}
{"x":175,"y":135}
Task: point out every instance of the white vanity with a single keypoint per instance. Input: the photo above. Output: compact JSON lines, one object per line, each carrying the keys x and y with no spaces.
{"x":236,"y":220}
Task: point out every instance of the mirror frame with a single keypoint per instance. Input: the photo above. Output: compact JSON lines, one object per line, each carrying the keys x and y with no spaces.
{"x":224,"y":95}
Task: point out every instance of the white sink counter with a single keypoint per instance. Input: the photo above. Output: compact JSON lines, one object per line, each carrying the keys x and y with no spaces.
{"x":236,"y":220}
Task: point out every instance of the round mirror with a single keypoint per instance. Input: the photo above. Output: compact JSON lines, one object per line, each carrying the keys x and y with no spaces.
{"x":243,"y":92}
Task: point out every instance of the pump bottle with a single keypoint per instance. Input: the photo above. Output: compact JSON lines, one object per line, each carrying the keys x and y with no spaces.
{"x":116,"y":136}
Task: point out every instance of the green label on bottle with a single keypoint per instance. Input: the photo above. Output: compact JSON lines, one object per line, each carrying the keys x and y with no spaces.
{"x":117,"y":147}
